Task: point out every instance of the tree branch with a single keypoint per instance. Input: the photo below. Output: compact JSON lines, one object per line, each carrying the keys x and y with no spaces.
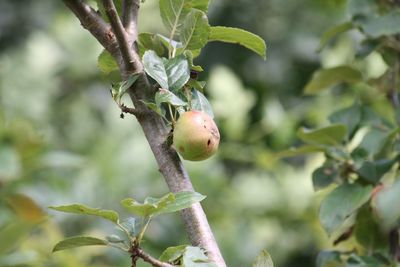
{"x":128,"y":54}
{"x":130,"y":11}
{"x":147,"y":258}
{"x":94,"y":23}
{"x":155,"y":130}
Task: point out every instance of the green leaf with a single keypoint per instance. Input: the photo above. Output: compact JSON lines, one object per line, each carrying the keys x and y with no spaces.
{"x":324,"y":176}
{"x":132,"y":225}
{"x":330,"y":135}
{"x":115,"y":239}
{"x":326,"y":78}
{"x":182,"y":201}
{"x":153,"y":106}
{"x":239,"y":36}
{"x":172,"y":254}
{"x":362,"y":7}
{"x":351,"y":117}
{"x":200,"y":102}
{"x":195,"y":30}
{"x":106,"y":62}
{"x":195,"y":257}
{"x":367,"y":231}
{"x":342,"y":202}
{"x":10,"y":163}
{"x":13,"y":233}
{"x":78,"y":241}
{"x":374,"y":141}
{"x":331,"y":33}
{"x":372,"y":171}
{"x":379,"y":25}
{"x":150,"y":205}
{"x":302,"y":150}
{"x":173,"y":12}
{"x":329,"y":259}
{"x":263,"y":260}
{"x":81,"y":209}
{"x":155,"y":68}
{"x":178,"y":72}
{"x":170,"y":74}
{"x":386,"y":205}
{"x":165,"y":96}
{"x":166,"y":204}
{"x":151,"y":41}
{"x":119,"y":89}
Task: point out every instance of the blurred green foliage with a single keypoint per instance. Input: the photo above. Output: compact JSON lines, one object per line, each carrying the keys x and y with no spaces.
{"x":61,"y":139}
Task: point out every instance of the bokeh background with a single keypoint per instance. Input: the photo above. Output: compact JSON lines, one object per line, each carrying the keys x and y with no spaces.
{"x":62,"y":141}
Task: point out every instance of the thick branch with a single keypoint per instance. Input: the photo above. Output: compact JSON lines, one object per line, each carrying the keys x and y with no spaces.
{"x":129,"y":19}
{"x":153,"y":261}
{"x":94,"y":23}
{"x":128,"y":54}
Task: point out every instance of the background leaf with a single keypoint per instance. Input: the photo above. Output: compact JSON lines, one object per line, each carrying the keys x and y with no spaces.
{"x":330,"y":135}
{"x":326,"y":78}
{"x":263,"y":260}
{"x":81,"y":209}
{"x":239,"y":36}
{"x":341,"y":203}
{"x":387,"y":211}
{"x":331,"y":33}
{"x":78,"y":241}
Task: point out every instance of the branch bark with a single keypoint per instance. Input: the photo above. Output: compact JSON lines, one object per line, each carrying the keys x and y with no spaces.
{"x":153,"y":261}
{"x":155,"y":130}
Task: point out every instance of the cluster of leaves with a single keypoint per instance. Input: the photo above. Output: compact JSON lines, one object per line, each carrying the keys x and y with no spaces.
{"x":169,"y":60}
{"x":133,"y":228}
{"x":361,"y":145}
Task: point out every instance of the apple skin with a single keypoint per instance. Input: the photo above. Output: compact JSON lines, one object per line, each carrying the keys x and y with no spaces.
{"x":196,"y":136}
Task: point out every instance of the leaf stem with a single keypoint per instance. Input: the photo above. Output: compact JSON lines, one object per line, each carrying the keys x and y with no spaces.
{"x":144,"y":228}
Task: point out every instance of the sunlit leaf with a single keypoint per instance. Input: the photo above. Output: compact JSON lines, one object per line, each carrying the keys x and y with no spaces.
{"x":84,"y":210}
{"x":170,"y":74}
{"x":165,"y":96}
{"x":173,"y":12}
{"x":79,"y":241}
{"x":330,"y":135}
{"x":195,"y":30}
{"x":155,"y":68}
{"x":166,"y":204}
{"x":150,"y":41}
{"x":200,"y":102}
{"x":195,"y":257}
{"x":326,"y":78}
{"x":263,"y":260}
{"x":341,"y":203}
{"x":106,"y":62}
{"x":172,"y":254}
{"x":239,"y":36}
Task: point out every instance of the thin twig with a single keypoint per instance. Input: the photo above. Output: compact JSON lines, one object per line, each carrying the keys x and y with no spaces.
{"x":153,"y":261}
{"x":129,"y":110}
{"x":129,"y":56}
